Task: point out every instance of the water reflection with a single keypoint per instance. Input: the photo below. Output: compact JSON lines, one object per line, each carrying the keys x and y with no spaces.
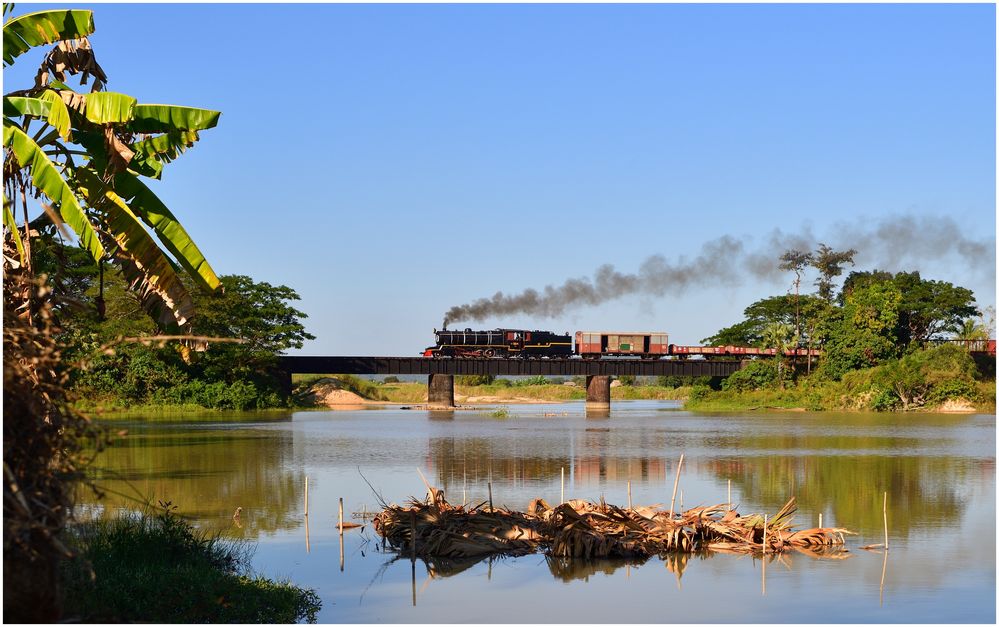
{"x":939,"y":473}
{"x":207,"y":475}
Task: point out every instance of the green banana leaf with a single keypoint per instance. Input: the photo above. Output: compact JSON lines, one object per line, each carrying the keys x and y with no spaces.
{"x":17,"y":106}
{"x":144,"y":265}
{"x":169,"y":230}
{"x":108,"y":107}
{"x":154,"y":118}
{"x":11,"y":224}
{"x":46,"y":177}
{"x":58,"y":114}
{"x":24,"y":32}
{"x":153,"y":153}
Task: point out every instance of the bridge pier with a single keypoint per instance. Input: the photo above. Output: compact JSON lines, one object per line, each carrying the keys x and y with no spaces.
{"x":440,"y":391}
{"x":598,"y":391}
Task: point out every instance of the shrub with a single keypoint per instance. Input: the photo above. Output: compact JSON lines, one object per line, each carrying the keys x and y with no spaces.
{"x":537,"y":380}
{"x":757,"y":375}
{"x":627,"y":379}
{"x":699,"y":393}
{"x":474,"y":379}
{"x":158,"y":569}
{"x":503,"y":383}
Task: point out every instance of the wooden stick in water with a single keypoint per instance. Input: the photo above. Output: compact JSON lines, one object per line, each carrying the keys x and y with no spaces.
{"x":676,"y":482}
{"x":306,"y":495}
{"x":730,"y":493}
{"x":563,"y":484}
{"x":884,"y":512}
{"x":490,"y":486}
{"x":340,"y":517}
{"x":820,"y":520}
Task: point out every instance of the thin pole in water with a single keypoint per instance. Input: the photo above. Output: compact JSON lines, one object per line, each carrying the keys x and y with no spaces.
{"x":340,"y":517}
{"x":306,"y":496}
{"x":884,"y":512}
{"x":730,"y":494}
{"x":490,"y":485}
{"x":563,"y":486}
{"x":676,"y":482}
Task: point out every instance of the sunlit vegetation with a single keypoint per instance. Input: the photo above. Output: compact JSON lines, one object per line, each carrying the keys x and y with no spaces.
{"x":158,"y":569}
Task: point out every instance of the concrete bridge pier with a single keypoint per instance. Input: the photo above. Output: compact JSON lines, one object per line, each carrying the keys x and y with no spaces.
{"x":440,"y":391}
{"x":598,"y":392}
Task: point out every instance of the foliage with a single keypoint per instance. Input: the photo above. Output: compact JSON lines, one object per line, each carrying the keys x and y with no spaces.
{"x":159,"y":569}
{"x":224,"y":376}
{"x":864,"y":332}
{"x":527,"y":381}
{"x":627,"y":379}
{"x":927,"y":308}
{"x":764,"y":312}
{"x":474,"y":379}
{"x":42,"y":455}
{"x":391,"y":379}
{"x":757,"y":375}
{"x":829,"y":264}
{"x":930,"y":376}
{"x":101,"y":198}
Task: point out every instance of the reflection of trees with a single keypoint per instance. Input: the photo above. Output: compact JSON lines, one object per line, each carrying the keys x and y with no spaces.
{"x":478,"y":460}
{"x":206,"y":474}
{"x":922,"y":490}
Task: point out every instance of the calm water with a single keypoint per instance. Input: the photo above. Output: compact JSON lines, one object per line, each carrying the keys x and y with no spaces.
{"x":938,"y":470}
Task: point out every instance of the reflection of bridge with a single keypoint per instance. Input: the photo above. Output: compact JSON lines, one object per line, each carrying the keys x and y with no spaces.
{"x":440,"y":372}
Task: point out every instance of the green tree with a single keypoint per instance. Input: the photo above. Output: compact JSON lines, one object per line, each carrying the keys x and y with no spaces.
{"x":102,"y":197}
{"x":830,"y":264}
{"x":864,"y":332}
{"x":927,"y":308}
{"x":796,"y":261}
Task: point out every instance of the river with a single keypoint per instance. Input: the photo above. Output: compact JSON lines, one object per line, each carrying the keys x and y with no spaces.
{"x":938,"y":471}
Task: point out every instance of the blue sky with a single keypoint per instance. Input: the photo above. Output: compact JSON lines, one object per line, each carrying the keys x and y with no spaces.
{"x":390,"y":161}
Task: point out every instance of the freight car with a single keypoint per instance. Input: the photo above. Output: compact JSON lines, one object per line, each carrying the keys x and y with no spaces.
{"x":500,"y":343}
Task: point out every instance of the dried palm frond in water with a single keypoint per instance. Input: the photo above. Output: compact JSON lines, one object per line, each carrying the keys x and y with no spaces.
{"x":582,"y":529}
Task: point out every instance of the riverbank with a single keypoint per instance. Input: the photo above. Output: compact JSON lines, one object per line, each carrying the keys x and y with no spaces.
{"x":157,"y":568}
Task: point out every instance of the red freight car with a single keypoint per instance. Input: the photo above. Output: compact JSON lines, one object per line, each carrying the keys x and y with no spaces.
{"x":647,"y":345}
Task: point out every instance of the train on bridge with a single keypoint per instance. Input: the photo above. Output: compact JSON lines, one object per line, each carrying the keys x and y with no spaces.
{"x":524,"y":344}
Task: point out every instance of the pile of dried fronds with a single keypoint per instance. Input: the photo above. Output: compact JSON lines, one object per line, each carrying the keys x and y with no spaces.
{"x":581,"y":529}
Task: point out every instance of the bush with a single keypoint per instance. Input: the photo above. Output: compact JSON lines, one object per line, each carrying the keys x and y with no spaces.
{"x":391,"y":379}
{"x":474,"y":379}
{"x":627,"y":379}
{"x":538,"y":380}
{"x":699,"y":393}
{"x":757,"y":375}
{"x":158,"y":569}
{"x":503,"y":383}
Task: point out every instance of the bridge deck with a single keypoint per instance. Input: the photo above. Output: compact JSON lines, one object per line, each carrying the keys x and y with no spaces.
{"x":513,"y":367}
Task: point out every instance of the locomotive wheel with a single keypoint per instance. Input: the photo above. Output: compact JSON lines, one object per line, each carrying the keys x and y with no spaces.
{"x":489,"y":353}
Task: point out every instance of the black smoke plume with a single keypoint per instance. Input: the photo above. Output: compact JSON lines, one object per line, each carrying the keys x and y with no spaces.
{"x":725,"y":261}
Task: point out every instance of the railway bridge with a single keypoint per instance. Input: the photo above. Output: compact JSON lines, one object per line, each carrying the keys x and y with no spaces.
{"x":440,"y":372}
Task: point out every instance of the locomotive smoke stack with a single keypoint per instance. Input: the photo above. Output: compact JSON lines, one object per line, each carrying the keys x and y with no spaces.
{"x":887,"y":245}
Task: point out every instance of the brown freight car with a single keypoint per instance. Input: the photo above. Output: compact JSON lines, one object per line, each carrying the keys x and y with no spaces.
{"x":644,"y":344}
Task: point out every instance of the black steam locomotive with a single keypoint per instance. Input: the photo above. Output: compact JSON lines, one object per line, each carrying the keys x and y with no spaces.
{"x":500,"y":343}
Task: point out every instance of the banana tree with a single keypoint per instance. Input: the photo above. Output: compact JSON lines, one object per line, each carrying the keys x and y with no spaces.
{"x":83,"y":167}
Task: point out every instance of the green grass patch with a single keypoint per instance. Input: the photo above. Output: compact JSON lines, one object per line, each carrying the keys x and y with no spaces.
{"x":159,"y":569}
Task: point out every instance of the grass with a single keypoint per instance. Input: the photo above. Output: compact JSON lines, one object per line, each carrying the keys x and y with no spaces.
{"x":158,"y":569}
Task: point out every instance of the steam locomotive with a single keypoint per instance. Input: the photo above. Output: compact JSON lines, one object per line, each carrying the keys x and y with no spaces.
{"x":524,"y":344}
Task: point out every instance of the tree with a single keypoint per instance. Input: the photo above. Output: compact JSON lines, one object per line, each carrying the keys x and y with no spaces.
{"x":101,"y":198}
{"x":864,"y":332}
{"x":774,"y":309}
{"x":927,"y":309}
{"x":780,"y":337}
{"x":257,"y":313}
{"x":829,"y":263}
{"x":796,"y":261}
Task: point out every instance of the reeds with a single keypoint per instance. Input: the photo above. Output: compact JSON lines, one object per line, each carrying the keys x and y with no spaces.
{"x":582,"y":529}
